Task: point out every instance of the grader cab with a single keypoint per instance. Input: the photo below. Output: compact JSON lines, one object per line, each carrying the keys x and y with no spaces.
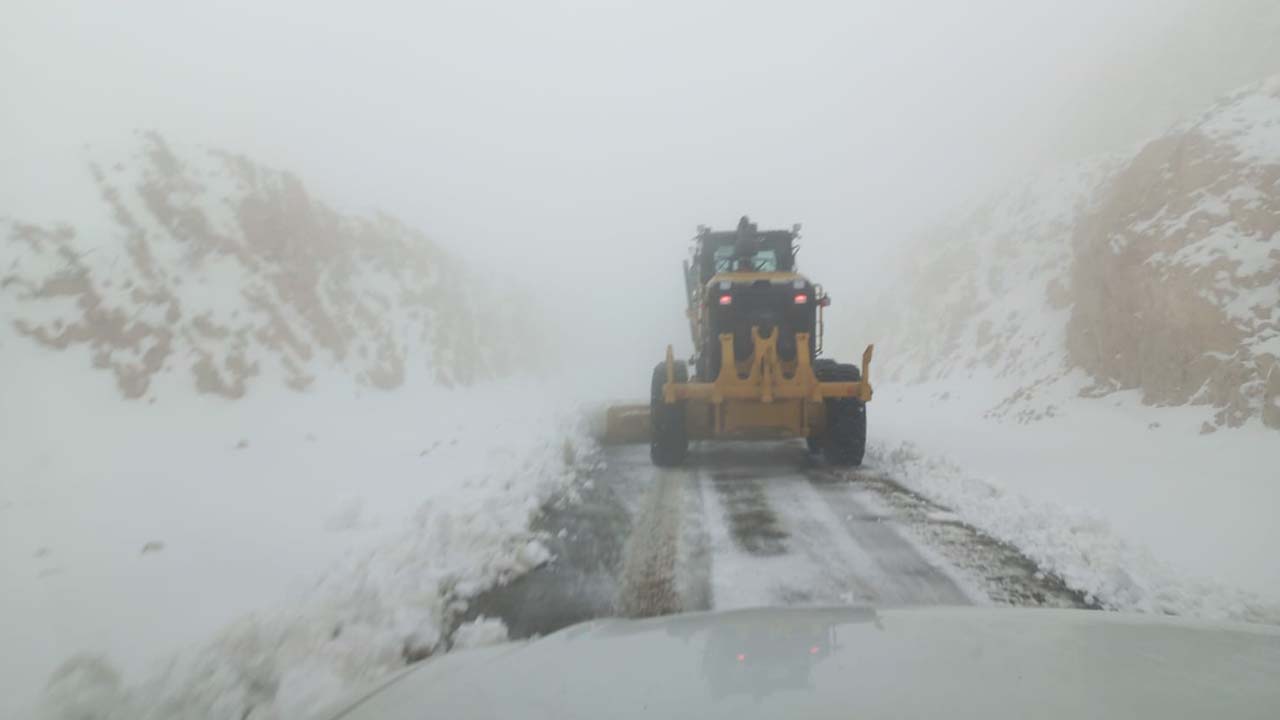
{"x":757,"y":327}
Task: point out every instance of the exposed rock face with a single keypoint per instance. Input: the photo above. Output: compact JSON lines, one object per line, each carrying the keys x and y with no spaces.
{"x":218,"y":268}
{"x":1158,"y":272}
{"x":1177,"y":270}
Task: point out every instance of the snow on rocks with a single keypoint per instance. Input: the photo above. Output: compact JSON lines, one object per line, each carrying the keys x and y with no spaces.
{"x":203,"y":265}
{"x":1158,"y":271}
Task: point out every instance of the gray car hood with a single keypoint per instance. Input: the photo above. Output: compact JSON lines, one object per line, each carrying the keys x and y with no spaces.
{"x":855,"y":663}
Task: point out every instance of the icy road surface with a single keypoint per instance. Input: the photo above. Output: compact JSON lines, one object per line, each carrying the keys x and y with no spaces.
{"x":749,"y":525}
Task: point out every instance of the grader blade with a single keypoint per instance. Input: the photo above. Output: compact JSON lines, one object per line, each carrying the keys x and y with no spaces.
{"x":626,"y":424}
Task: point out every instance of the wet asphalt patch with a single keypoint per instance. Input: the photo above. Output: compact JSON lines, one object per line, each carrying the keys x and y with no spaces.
{"x":586,"y":529}
{"x":752,"y":523}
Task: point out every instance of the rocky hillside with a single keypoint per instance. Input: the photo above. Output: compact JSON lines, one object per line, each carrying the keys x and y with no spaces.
{"x":202,"y":267}
{"x":1157,"y":272}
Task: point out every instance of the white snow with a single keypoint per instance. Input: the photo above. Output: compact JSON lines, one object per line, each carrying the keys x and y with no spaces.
{"x":362,"y":292}
{"x":979,"y":287}
{"x":480,"y":632}
{"x":183,"y":555}
{"x":198,"y":557}
{"x":1250,"y":121}
{"x":1125,"y":502}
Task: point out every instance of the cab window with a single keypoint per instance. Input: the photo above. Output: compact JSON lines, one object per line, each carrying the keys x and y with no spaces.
{"x":764,"y":260}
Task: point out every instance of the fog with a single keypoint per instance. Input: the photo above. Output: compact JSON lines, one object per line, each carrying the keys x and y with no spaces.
{"x":574,"y":146}
{"x":322,"y":529}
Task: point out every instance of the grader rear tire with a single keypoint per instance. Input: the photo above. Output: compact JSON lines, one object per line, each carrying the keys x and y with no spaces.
{"x":845,"y":441}
{"x":668,"y":433}
{"x":822,"y":368}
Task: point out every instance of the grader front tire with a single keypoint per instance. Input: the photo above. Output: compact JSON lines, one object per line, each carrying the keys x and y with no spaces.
{"x":669,"y":433}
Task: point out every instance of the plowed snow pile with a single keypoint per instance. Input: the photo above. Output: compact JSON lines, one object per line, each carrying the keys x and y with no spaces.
{"x":210,"y":504}
{"x":1099,"y":350}
{"x":258,"y":559}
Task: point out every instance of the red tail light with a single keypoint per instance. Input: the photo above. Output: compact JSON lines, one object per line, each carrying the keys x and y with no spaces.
{"x":726,"y":299}
{"x":802,"y":299}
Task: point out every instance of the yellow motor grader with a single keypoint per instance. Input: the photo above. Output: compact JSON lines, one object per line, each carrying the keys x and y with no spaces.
{"x":757,"y":334}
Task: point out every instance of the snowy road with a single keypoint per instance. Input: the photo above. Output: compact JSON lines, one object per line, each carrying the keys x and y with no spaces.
{"x":750,"y":525}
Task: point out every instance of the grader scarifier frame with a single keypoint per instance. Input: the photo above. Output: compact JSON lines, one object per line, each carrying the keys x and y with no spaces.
{"x":773,"y":399}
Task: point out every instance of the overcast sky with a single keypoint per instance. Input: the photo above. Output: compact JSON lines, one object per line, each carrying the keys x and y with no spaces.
{"x":586,"y":140}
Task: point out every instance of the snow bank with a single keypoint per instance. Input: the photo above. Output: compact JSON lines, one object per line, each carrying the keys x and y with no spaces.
{"x":479,"y":632}
{"x":1108,"y":495}
{"x":278,"y":550}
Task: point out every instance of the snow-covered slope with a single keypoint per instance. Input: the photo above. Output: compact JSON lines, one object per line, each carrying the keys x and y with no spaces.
{"x":1158,"y":272}
{"x":253,"y":452}
{"x":1088,"y":367}
{"x":987,"y":296}
{"x":201,"y":265}
{"x":261,"y":558}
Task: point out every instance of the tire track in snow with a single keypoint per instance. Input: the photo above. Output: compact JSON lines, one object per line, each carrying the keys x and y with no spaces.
{"x":779,"y":539}
{"x":648,"y":581}
{"x":899,"y":572}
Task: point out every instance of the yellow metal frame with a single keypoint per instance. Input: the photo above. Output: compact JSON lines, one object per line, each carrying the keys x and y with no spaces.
{"x":764,"y":394}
